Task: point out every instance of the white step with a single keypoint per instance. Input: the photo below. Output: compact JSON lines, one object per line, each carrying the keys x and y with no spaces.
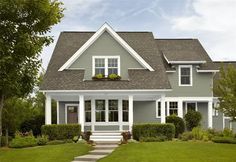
{"x":105,"y":147}
{"x":106,"y":133}
{"x":106,"y":140}
{"x":105,"y":136}
{"x":101,"y":152}
{"x":89,"y":157}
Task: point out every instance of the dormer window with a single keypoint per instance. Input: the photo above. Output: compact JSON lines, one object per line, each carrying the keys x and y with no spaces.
{"x":185,"y":75}
{"x":106,"y":65}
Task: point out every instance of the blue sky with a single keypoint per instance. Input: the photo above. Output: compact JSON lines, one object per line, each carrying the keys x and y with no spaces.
{"x":213,"y":22}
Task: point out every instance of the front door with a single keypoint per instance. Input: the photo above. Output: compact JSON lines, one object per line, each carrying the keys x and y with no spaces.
{"x":191,"y":106}
{"x":72,"y":114}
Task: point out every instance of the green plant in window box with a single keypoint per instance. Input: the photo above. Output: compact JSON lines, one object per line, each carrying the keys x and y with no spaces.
{"x":114,"y":77}
{"x":98,"y":77}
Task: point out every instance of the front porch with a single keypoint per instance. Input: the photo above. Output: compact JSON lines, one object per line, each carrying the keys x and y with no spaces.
{"x":117,"y":111}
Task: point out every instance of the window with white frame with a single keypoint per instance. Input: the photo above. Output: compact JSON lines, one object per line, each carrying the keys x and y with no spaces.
{"x":173,"y":108}
{"x":158,"y":111}
{"x":215,"y":110}
{"x":106,"y":65}
{"x":100,"y":108}
{"x":185,"y":75}
{"x":87,"y":111}
{"x":125,"y":110}
{"x":113,"y":110}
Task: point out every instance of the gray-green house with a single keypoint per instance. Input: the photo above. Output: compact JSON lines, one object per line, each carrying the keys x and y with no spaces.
{"x":159,"y":77}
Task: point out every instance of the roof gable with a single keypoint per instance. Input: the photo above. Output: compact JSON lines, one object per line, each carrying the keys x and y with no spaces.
{"x":100,"y":31}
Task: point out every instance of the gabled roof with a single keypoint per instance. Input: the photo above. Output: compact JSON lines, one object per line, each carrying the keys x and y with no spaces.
{"x":95,"y":36}
{"x":69,"y":42}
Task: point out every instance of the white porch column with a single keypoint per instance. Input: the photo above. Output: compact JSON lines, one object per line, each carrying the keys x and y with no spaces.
{"x":57,"y":112}
{"x":180,"y":108}
{"x":93,"y":114}
{"x":81,"y":112}
{"x":131,"y":113}
{"x":48,"y":110}
{"x":163,"y":112}
{"x":210,"y":114}
{"x":120,"y":114}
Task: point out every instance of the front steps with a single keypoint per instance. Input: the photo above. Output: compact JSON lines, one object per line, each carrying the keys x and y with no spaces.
{"x":101,"y":150}
{"x":106,"y":136}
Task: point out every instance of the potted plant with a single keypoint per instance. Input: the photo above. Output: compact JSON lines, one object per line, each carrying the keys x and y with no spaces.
{"x":114,"y":77}
{"x":98,"y":77}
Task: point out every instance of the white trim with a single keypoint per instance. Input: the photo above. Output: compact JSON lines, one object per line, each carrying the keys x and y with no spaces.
{"x":183,"y":62}
{"x":66,"y":105}
{"x":207,"y":71}
{"x":210,"y":119}
{"x":191,"y":75}
{"x":106,"y":63}
{"x":189,"y":99}
{"x":81,"y":112}
{"x":163,"y":111}
{"x":91,"y":40}
{"x":170,"y":71}
{"x":48,"y":109}
{"x":120,"y":114}
{"x":76,"y":68}
{"x":131,"y":111}
{"x":136,"y":68}
{"x":57,"y":112}
{"x":111,"y":90}
{"x":93,"y":115}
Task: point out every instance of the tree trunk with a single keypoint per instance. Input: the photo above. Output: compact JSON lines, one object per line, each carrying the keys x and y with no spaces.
{"x":1,"y":107}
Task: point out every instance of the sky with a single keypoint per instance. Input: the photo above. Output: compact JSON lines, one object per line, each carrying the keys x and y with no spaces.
{"x":213,"y":22}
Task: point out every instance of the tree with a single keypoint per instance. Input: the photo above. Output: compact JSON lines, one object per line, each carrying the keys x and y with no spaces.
{"x":23,"y":25}
{"x":225,"y":90}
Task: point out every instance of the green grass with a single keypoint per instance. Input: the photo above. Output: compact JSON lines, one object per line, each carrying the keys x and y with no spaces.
{"x":173,"y":152}
{"x":48,"y":153}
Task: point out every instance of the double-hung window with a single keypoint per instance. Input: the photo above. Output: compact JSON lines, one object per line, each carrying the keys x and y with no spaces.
{"x":106,"y":65}
{"x":125,"y":110}
{"x":185,"y":75}
{"x":100,"y":110}
{"x":88,"y":111}
{"x":113,"y":110}
{"x":173,"y":108}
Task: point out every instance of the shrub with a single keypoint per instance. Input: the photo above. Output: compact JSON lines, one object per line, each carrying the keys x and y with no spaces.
{"x":186,"y":136}
{"x":4,"y":140}
{"x":114,"y":77}
{"x":86,"y":135}
{"x":227,"y":133}
{"x":126,"y":136}
{"x":192,"y":119}
{"x":230,"y":140}
{"x":61,"y":131}
{"x":56,"y":142}
{"x":42,"y":140}
{"x":75,"y":139}
{"x":198,"y":133}
{"x":178,"y":123}
{"x":153,"y":130}
{"x":153,"y":139}
{"x":22,"y":140}
{"x":33,"y":124}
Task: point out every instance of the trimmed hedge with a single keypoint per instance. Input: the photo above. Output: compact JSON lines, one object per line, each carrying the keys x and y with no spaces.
{"x":21,"y":142}
{"x":192,"y":119}
{"x":61,"y":131}
{"x":153,"y":130}
{"x":178,"y":122}
{"x":229,"y":140}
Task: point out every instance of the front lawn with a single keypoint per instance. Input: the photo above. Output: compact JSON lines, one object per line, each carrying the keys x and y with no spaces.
{"x":173,"y":152}
{"x":48,"y":153}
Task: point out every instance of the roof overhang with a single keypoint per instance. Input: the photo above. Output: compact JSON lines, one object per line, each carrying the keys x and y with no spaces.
{"x":184,"y":62}
{"x":100,"y":31}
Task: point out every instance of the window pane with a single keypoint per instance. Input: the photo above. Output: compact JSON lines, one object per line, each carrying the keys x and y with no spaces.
{"x":100,"y":116}
{"x":113,"y":62}
{"x":159,"y":109}
{"x":99,"y":62}
{"x":125,"y":116}
{"x":113,"y":116}
{"x":113,"y":104}
{"x":99,"y":71}
{"x":100,"y":104}
{"x":125,"y":105}
{"x":173,"y":108}
{"x":185,"y":71}
{"x":87,"y":105}
{"x":88,"y":116}
{"x":185,"y":79}
{"x":125,"y":110}
{"x":72,"y":109}
{"x":112,"y":71}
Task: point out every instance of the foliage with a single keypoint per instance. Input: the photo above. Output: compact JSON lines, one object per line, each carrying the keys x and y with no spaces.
{"x":199,"y":134}
{"x":225,"y":89}
{"x":23,"y":140}
{"x":75,"y":139}
{"x":126,"y":136}
{"x":23,"y":28}
{"x":61,"y":131}
{"x":153,"y":130}
{"x":33,"y":124}
{"x":86,"y":135}
{"x":153,"y":139}
{"x":192,"y":119}
{"x":186,"y":136}
{"x":230,"y":140}
{"x":42,"y":140}
{"x":56,"y":142}
{"x":114,"y":77}
{"x":178,"y":122}
{"x":227,"y":133}
{"x":98,"y":77}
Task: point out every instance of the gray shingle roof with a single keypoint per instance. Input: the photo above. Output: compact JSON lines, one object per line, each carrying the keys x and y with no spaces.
{"x":69,"y":42}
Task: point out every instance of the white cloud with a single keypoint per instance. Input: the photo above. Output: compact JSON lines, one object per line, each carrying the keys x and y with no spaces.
{"x":214,"y":21}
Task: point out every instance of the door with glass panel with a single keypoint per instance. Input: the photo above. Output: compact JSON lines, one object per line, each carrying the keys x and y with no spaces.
{"x":72,"y":114}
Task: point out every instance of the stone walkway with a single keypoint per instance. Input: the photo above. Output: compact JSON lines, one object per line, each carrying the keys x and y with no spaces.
{"x":101,"y":150}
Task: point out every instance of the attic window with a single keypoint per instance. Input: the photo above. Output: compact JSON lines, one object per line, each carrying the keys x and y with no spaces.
{"x":106,"y":65}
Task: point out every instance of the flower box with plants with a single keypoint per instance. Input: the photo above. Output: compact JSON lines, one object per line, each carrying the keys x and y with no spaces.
{"x":111,"y":77}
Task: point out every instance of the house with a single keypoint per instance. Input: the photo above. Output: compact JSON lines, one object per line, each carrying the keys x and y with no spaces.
{"x":159,"y":77}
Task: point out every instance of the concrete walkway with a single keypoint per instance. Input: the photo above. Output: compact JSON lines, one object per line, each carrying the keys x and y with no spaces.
{"x":101,"y":150}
